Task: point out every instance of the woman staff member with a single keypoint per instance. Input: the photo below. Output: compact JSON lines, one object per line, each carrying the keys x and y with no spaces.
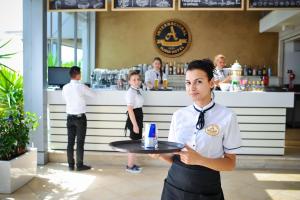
{"x":155,"y":74}
{"x":212,"y":138}
{"x":134,"y":123}
{"x":220,"y":74}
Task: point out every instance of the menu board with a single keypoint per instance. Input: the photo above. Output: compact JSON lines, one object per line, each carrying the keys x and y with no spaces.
{"x":126,"y":5}
{"x":211,"y":4}
{"x":77,"y":5}
{"x":273,"y":4}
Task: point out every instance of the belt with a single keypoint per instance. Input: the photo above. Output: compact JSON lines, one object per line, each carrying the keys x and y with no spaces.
{"x":78,"y":115}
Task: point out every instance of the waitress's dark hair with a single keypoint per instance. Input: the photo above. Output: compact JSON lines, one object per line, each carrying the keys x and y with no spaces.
{"x":160,"y":69}
{"x":205,"y":65}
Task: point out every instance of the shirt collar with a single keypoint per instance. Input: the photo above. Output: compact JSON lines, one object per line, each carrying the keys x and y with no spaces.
{"x":74,"y":81}
{"x":205,"y":107}
{"x":134,"y":88}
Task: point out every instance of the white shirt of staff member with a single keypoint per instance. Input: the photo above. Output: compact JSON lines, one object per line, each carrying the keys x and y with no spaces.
{"x":220,"y":74}
{"x":216,"y":144}
{"x":155,"y":73}
{"x":75,"y":94}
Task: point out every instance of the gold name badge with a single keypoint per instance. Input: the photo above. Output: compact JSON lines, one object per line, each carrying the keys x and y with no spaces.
{"x":212,"y":130}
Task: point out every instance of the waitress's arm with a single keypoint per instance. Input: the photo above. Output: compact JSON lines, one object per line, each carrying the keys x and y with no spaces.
{"x":149,"y":85}
{"x":227,"y":163}
{"x":191,"y":157}
{"x":148,"y":79}
{"x":226,"y":80}
{"x":164,"y":157}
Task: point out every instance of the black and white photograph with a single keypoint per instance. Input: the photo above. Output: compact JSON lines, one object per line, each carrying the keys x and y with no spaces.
{"x":143,"y":5}
{"x":211,"y":4}
{"x":273,"y":4}
{"x":77,"y":5}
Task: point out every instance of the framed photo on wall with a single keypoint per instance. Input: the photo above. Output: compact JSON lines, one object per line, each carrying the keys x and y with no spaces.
{"x":142,"y":5}
{"x":76,"y":5}
{"x":217,"y":5}
{"x":273,"y":4}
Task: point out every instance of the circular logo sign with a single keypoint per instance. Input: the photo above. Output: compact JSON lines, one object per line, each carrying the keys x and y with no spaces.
{"x":172,"y":38}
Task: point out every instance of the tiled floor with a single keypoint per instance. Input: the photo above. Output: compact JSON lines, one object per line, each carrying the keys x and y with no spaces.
{"x":55,"y":182}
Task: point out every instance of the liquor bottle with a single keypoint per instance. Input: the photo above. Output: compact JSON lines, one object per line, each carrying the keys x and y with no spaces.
{"x":264,"y":71}
{"x":254,"y":71}
{"x":171,"y":69}
{"x":245,"y":70}
{"x":249,"y":71}
{"x":269,"y":72}
{"x":167,"y":69}
{"x":259,"y":72}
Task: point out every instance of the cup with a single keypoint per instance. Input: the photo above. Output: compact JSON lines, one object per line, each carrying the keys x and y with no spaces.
{"x":150,"y":136}
{"x":165,"y":83}
{"x":156,"y":83}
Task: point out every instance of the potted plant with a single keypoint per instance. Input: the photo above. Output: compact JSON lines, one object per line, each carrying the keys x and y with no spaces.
{"x":18,"y":163}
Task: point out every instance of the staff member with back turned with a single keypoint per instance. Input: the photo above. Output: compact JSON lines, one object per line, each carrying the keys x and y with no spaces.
{"x":74,"y":94}
{"x":212,"y":138}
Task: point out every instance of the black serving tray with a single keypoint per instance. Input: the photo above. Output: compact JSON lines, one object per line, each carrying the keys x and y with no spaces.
{"x":135,"y":146}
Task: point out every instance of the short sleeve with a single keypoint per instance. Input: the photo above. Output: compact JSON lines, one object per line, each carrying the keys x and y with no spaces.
{"x":232,"y":138}
{"x":172,"y":137}
{"x":147,"y":77}
{"x":130,"y":98}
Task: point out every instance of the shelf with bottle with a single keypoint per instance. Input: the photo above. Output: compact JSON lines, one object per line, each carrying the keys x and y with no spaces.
{"x":174,"y":68}
{"x":253,"y":86}
{"x":248,"y":70}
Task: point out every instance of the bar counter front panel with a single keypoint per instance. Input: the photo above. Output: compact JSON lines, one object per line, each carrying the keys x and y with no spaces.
{"x":261,"y":117}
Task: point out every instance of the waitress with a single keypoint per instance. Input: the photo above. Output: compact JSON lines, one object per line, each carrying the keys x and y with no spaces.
{"x":155,"y":74}
{"x":134,"y":123}
{"x":220,"y":75}
{"x":212,"y":138}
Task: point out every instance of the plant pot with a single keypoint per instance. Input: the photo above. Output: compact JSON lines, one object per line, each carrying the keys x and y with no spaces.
{"x":17,"y":172}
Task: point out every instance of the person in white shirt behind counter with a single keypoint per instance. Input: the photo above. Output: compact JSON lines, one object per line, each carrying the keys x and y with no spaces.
{"x":155,"y":74}
{"x":221,"y":74}
{"x":74,"y":94}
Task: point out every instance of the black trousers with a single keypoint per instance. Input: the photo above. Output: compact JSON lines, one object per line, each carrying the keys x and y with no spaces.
{"x":191,"y":182}
{"x":76,"y":128}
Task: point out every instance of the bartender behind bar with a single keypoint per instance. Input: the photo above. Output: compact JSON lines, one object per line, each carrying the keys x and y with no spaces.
{"x":220,"y":74}
{"x":74,"y":94}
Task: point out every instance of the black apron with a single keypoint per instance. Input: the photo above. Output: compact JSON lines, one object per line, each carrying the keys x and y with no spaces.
{"x":138,"y":113}
{"x":191,"y":182}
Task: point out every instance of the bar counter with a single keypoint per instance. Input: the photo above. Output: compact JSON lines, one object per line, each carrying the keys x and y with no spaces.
{"x":261,"y":117}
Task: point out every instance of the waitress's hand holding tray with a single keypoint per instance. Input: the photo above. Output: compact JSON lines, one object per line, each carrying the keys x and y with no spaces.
{"x":189,"y":156}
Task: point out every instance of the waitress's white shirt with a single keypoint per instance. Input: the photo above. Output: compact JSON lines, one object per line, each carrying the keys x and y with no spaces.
{"x":134,"y":98}
{"x":151,"y":75}
{"x":206,"y":141}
